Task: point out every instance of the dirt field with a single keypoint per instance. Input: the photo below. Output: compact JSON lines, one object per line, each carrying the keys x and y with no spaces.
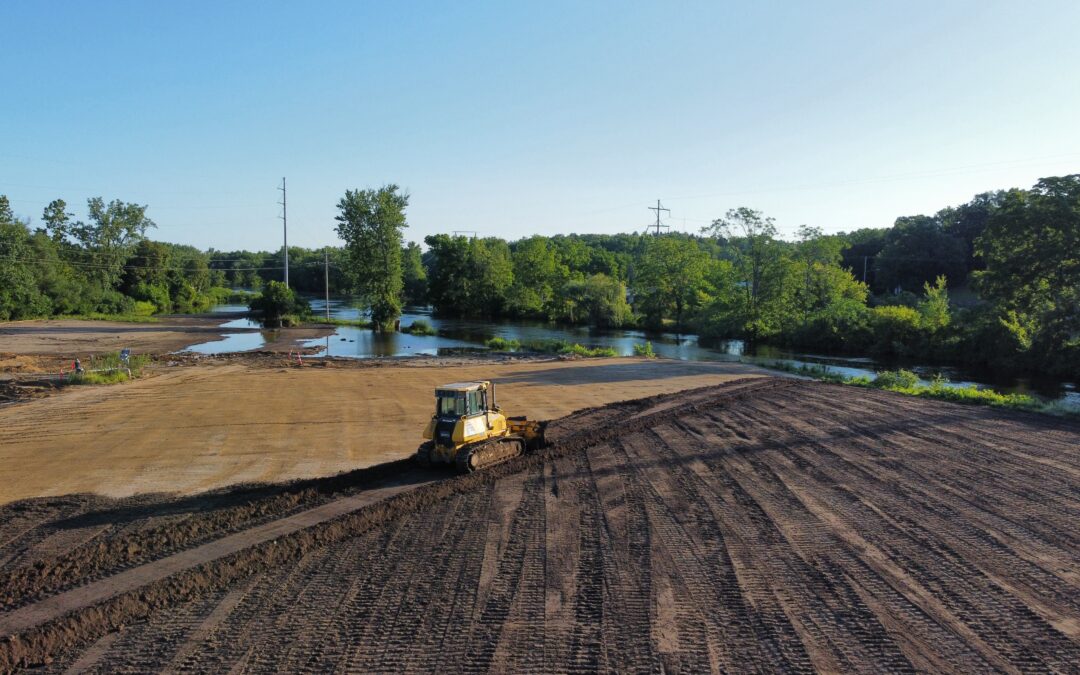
{"x":193,"y":428}
{"x":765,"y":525}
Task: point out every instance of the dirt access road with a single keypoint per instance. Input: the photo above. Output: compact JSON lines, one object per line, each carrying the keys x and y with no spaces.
{"x":763,"y":525}
{"x":193,"y":428}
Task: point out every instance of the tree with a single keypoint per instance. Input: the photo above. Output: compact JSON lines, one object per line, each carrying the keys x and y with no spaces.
{"x":669,"y":278}
{"x":968,"y":221}
{"x":414,"y":276}
{"x":20,"y":297}
{"x":603,"y":301}
{"x":279,"y":304}
{"x":538,"y":274}
{"x":818,"y":256}
{"x":1031,"y":247}
{"x":750,"y":239}
{"x":469,"y":277}
{"x":918,"y":250}
{"x":109,"y":237}
{"x":57,"y":220}
{"x":447,"y":265}
{"x":934,"y":307}
{"x":370,"y":223}
{"x":859,"y":250}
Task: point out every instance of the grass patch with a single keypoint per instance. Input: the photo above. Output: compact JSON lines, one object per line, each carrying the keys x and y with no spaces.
{"x":418,"y":327}
{"x":595,"y":352}
{"x":109,"y":377}
{"x":355,"y":323}
{"x":501,"y":344}
{"x":908,"y":383}
{"x":549,"y":346}
{"x":109,"y":369}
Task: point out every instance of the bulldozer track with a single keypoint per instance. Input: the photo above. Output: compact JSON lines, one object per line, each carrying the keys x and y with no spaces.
{"x":766,"y":525}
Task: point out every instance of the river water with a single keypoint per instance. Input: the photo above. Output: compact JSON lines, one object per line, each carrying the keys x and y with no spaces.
{"x":456,"y":335}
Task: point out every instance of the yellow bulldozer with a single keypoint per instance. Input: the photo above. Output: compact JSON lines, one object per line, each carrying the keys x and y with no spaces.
{"x":470,"y":432}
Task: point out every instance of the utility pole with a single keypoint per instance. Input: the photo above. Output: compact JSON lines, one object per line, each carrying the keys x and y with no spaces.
{"x":326,"y":271}
{"x":864,"y":258}
{"x":285,"y":228}
{"x":658,"y":209}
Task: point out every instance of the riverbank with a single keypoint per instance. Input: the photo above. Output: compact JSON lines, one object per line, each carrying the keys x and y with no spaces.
{"x":45,"y":344}
{"x":908,"y":383}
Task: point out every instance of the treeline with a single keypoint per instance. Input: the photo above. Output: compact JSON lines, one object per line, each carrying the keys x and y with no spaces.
{"x":1008,"y":259}
{"x":102,"y":265}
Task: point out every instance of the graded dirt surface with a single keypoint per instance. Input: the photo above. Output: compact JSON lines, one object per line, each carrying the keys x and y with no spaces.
{"x":762,"y":525}
{"x":192,"y":428}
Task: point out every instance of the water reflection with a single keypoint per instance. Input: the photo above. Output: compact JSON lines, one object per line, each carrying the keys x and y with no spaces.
{"x":233,"y":342}
{"x":456,"y":336}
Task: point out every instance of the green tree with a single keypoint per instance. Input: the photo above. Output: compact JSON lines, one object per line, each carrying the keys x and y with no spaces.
{"x":1031,"y":247}
{"x":859,"y":253}
{"x":109,"y":237}
{"x":448,"y":266}
{"x":817,"y":256}
{"x":279,"y":304}
{"x":371,"y":222}
{"x":603,"y":301}
{"x":20,"y":297}
{"x":670,"y":278}
{"x":918,"y":250}
{"x":57,"y":220}
{"x":750,"y":239}
{"x":414,"y":276}
{"x":538,"y":274}
{"x":934,"y":307}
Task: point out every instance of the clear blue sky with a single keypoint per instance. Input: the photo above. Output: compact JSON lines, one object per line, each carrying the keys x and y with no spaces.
{"x":513,"y":118}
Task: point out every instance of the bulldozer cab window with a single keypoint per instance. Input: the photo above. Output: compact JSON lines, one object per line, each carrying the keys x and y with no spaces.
{"x":451,"y":405}
{"x":476,"y":402}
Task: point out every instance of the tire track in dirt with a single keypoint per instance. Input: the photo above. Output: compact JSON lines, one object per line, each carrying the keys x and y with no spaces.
{"x":781,"y":526}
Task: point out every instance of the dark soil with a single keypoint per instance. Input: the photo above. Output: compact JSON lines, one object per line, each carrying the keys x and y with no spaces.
{"x":772,"y":524}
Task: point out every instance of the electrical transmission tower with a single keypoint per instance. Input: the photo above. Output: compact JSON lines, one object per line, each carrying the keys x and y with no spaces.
{"x":285,"y":228}
{"x":658,"y":208}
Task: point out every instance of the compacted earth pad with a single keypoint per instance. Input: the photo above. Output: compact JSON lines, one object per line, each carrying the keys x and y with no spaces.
{"x":766,"y":524}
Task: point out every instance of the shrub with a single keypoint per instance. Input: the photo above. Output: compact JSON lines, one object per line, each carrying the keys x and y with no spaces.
{"x":645,"y":350}
{"x":280,"y":304}
{"x":418,"y":327}
{"x":841,"y":326}
{"x":114,"y":302}
{"x":144,"y":308}
{"x":897,"y":330}
{"x":545,"y":346}
{"x":501,"y":344}
{"x":158,"y":295}
{"x":581,"y":350}
{"x":896,"y":379}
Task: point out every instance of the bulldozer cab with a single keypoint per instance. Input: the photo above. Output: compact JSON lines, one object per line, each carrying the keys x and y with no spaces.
{"x":462,"y":399}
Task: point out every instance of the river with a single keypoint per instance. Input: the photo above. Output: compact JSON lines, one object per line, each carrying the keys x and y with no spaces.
{"x":455,"y":335}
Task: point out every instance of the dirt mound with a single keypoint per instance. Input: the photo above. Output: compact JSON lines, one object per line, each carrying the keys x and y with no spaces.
{"x":769,"y":524}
